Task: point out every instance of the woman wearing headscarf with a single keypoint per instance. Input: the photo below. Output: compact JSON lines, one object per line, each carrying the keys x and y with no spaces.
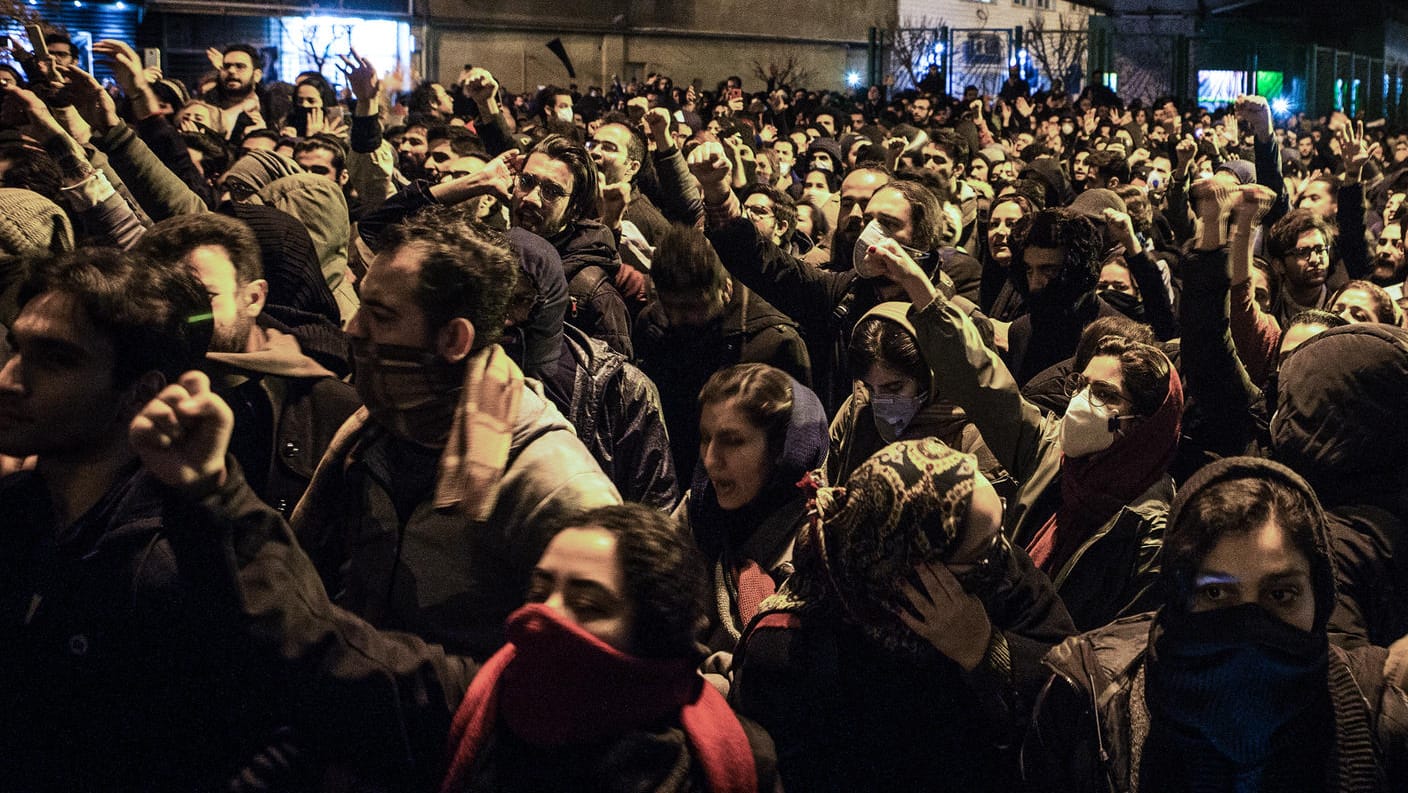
{"x":1095,"y":486}
{"x":597,"y":688}
{"x":761,"y":433}
{"x":898,"y":655}
{"x":1232,"y":685}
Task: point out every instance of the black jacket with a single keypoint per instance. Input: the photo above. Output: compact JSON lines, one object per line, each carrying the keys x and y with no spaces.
{"x":121,"y":659}
{"x":589,"y":258}
{"x":825,"y":305}
{"x":681,"y":360}
{"x":616,"y":412}
{"x":846,"y":715}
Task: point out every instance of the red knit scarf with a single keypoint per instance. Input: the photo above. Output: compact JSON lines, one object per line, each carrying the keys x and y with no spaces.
{"x":1095,"y":488}
{"x":554,"y":684}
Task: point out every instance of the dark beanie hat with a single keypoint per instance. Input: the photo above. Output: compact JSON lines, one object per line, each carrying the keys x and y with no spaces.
{"x":1093,"y":202}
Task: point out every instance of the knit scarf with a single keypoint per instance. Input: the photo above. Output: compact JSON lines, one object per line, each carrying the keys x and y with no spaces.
{"x":554,"y":684}
{"x":481,"y":434}
{"x":1095,"y":488}
{"x":1224,"y":687}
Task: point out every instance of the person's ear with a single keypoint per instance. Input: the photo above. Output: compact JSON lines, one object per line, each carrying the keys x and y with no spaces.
{"x":258,"y":76}
{"x":728,"y":290}
{"x":455,"y":340}
{"x":253,"y":297}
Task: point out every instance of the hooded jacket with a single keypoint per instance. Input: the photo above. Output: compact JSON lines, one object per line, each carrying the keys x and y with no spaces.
{"x":1339,"y":423}
{"x":589,"y":258}
{"x":855,"y":436}
{"x":681,"y":360}
{"x":1113,"y":571}
{"x":616,"y":411}
{"x":1091,"y":720}
{"x":318,"y":203}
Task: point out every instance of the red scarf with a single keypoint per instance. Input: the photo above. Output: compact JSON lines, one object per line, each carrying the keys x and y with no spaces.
{"x":554,"y":684}
{"x":1095,"y":488}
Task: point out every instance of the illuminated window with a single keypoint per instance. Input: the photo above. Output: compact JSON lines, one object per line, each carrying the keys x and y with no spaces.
{"x":305,"y":40}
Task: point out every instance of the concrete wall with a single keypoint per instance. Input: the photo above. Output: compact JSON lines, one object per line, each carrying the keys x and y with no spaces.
{"x":521,"y":60}
{"x":707,"y":40}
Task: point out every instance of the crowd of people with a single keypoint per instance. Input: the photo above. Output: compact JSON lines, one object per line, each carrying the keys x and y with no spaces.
{"x":662,"y":439}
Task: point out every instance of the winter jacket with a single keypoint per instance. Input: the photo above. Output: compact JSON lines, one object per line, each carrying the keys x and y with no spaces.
{"x":287,"y":410}
{"x":681,"y":360}
{"x":1114,"y":570}
{"x":319,"y":205}
{"x":1090,"y":721}
{"x":124,"y":664}
{"x":588,"y":251}
{"x":387,"y":555}
{"x":615,"y":410}
{"x":847,"y":715}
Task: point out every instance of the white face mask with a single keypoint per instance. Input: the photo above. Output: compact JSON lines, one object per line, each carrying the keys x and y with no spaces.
{"x":1086,"y":428}
{"x":564,"y":114}
{"x":874,"y":234}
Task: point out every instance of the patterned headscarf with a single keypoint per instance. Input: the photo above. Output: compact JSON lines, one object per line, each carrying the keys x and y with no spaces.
{"x":906,"y":505}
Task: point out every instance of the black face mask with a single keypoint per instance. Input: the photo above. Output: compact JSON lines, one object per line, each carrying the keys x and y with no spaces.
{"x":1124,"y":302}
{"x":1233,"y":676}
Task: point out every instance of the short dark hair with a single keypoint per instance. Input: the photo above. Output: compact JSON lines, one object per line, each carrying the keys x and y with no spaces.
{"x":170,"y":241}
{"x":1316,"y":316}
{"x":583,"y":201}
{"x":263,"y":132}
{"x":156,"y":316}
{"x":1281,"y":242}
{"x":319,"y":143}
{"x":820,"y":225}
{"x":764,"y":394}
{"x":32,"y":169}
{"x":784,"y":209}
{"x":255,"y":57}
{"x":686,"y":264}
{"x":466,"y":270}
{"x":953,"y":143}
{"x":663,"y":575}
{"x":1106,"y":165}
{"x":422,"y":99}
{"x":548,"y":96}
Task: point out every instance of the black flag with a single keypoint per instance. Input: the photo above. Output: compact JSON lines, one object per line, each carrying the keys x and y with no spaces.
{"x":561,"y":52}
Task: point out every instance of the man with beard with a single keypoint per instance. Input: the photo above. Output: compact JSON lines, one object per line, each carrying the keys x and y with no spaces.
{"x":702,"y":321}
{"x":1388,"y":259}
{"x":555,"y":197}
{"x":826,"y":304}
{"x":619,"y":153}
{"x":237,"y":92}
{"x":414,"y":149}
{"x":1055,"y":266}
{"x":287,"y":405}
{"x":1299,"y":246}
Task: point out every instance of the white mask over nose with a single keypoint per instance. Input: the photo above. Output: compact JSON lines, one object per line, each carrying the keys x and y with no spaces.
{"x":1086,"y":428}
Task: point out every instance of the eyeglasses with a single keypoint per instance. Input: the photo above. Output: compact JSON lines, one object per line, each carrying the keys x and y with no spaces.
{"x":552,"y":192}
{"x":942,"y":159}
{"x":1101,"y":393}
{"x":757,"y":210}
{"x":605,"y":145}
{"x":1311,"y":250}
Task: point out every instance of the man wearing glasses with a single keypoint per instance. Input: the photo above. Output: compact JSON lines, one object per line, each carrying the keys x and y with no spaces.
{"x":555,"y":196}
{"x":1300,"y":247}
